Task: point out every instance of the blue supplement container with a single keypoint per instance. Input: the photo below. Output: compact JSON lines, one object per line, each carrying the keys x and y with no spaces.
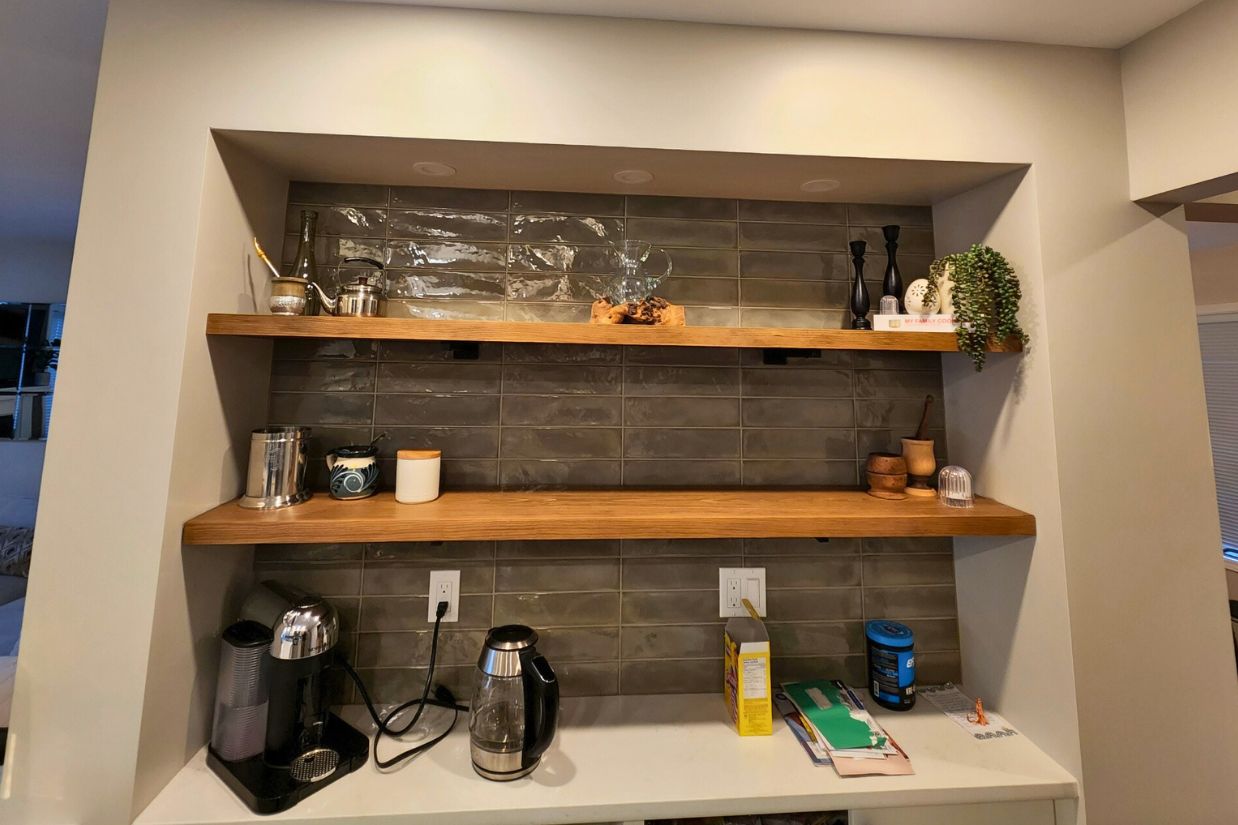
{"x":891,"y":664}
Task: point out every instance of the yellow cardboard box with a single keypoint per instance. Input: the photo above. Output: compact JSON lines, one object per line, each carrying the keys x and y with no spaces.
{"x":749,"y":693}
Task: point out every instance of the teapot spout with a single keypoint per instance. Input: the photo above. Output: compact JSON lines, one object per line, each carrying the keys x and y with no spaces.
{"x":330,"y":304}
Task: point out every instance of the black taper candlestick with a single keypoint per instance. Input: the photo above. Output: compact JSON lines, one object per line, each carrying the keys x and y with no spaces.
{"x":892,"y":284}
{"x":859,"y":292}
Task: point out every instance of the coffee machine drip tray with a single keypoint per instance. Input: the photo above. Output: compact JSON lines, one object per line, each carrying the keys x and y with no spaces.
{"x":266,"y":789}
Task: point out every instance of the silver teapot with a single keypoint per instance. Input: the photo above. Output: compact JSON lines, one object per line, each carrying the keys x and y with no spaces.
{"x":365,"y":297}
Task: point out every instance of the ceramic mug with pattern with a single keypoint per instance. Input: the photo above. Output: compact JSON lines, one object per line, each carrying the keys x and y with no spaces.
{"x":354,"y":471}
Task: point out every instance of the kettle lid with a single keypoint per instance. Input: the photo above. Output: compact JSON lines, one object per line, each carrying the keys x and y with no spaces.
{"x":511,"y":637}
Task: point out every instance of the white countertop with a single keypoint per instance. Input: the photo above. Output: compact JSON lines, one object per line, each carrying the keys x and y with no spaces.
{"x":634,"y":757}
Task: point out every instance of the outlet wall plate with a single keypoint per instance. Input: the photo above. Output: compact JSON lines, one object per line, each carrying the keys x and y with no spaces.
{"x":444,"y":586}
{"x":738,"y":583}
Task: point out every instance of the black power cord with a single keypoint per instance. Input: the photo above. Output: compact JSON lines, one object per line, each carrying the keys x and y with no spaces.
{"x":443,"y":698}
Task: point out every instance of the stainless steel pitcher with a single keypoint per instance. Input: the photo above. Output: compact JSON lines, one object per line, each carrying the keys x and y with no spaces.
{"x":277,"y":461}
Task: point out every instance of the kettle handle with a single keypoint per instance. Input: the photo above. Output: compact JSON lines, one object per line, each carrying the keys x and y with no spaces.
{"x":541,"y":705}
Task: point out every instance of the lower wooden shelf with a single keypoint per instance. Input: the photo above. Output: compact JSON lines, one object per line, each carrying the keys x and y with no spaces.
{"x":606,"y":514}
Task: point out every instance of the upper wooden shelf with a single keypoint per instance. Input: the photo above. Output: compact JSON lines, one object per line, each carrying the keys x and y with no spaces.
{"x":413,"y":329}
{"x":606,"y":514}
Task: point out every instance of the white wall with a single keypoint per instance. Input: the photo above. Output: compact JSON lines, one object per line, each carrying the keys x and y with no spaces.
{"x":1214,"y":274}
{"x":1125,"y":417}
{"x":1179,"y":83}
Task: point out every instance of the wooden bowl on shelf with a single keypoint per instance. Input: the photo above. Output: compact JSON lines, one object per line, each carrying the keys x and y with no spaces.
{"x":887,"y":476}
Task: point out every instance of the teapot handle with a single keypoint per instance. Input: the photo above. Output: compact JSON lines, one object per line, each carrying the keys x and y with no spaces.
{"x":541,"y":705}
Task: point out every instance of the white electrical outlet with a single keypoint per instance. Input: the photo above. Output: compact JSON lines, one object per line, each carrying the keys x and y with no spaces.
{"x":738,"y":583}
{"x":444,"y":587}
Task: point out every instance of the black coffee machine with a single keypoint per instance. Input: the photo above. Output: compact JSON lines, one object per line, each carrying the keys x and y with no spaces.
{"x":281,"y":688}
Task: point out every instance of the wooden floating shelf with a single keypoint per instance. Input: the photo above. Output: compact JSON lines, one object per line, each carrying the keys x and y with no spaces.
{"x":606,"y":514}
{"x":413,"y":329}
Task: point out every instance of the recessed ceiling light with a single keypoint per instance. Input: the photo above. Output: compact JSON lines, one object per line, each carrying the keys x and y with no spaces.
{"x":633,"y":176}
{"x":820,"y":185}
{"x":433,"y":169}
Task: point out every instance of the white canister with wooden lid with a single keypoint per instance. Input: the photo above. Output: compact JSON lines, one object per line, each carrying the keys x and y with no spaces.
{"x":416,"y":475}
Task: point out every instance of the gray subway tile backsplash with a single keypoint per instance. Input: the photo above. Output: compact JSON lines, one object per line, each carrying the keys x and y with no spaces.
{"x":628,"y":616}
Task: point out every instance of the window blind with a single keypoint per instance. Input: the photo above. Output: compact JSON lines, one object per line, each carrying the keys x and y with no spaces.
{"x":1218,"y":344}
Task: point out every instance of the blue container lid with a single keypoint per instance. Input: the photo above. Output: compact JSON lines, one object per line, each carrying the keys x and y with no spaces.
{"x":886,"y":632}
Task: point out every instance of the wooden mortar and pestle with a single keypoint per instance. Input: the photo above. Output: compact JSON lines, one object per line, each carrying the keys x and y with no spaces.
{"x":918,"y":454}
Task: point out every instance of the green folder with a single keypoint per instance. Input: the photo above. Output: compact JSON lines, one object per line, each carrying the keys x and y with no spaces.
{"x":822,"y":705}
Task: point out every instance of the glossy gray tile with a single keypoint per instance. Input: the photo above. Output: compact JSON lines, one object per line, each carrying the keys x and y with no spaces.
{"x":556,"y":609}
{"x":563,"y":410}
{"x":778,"y":382}
{"x":457,"y":378}
{"x":557,"y":474}
{"x":663,"y":381}
{"x":673,"y":676}
{"x":680,"y":473}
{"x":799,"y":443}
{"x":397,"y":578}
{"x":670,"y":607}
{"x":445,"y":284}
{"x":791,"y":236}
{"x":579,"y":644}
{"x":801,"y":547}
{"x":798,"y":412}
{"x":432,"y":351}
{"x":683,"y":573}
{"x":547,"y":576}
{"x":929,"y":601}
{"x":701,"y":291}
{"x":308,"y":409}
{"x":439,"y":309}
{"x":446,"y":225}
{"x":351,"y":221}
{"x":478,"y":200}
{"x":680,"y":443}
{"x":434,"y":410}
{"x":816,"y":638}
{"x":688,"y":641}
{"x":324,"y":578}
{"x":807,"y":266}
{"x":322,"y":376}
{"x":655,"y":206}
{"x":793,"y":212}
{"x":542,"y":443}
{"x":759,"y":292}
{"x":561,"y":379}
{"x":683,"y":412}
{"x":887,"y":570}
{"x":462,"y":255}
{"x":704,"y":263}
{"x":569,"y":203}
{"x":674,"y":232}
{"x":565,"y":229}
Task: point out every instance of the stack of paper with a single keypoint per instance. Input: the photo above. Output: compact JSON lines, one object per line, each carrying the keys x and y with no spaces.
{"x":831,"y":723}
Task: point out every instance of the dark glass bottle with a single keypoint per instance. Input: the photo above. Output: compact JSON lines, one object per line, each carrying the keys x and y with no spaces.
{"x":859,"y":291}
{"x":304,"y":265}
{"x":892,"y":284}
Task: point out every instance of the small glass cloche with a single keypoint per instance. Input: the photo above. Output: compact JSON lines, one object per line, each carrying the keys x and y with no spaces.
{"x":954,"y":487}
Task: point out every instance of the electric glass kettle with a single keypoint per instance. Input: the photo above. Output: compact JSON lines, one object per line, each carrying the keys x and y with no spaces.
{"x":515,"y":706}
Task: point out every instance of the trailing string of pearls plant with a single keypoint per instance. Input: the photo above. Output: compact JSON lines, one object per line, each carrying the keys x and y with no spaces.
{"x":985,"y":292}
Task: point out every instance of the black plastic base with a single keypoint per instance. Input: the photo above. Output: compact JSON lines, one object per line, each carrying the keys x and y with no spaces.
{"x":861,"y":323}
{"x":268,"y":790}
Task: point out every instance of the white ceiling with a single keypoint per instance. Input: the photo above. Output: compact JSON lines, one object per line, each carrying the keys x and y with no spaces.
{"x":1103,"y":23}
{"x":49,"y":63}
{"x":335,"y":158}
